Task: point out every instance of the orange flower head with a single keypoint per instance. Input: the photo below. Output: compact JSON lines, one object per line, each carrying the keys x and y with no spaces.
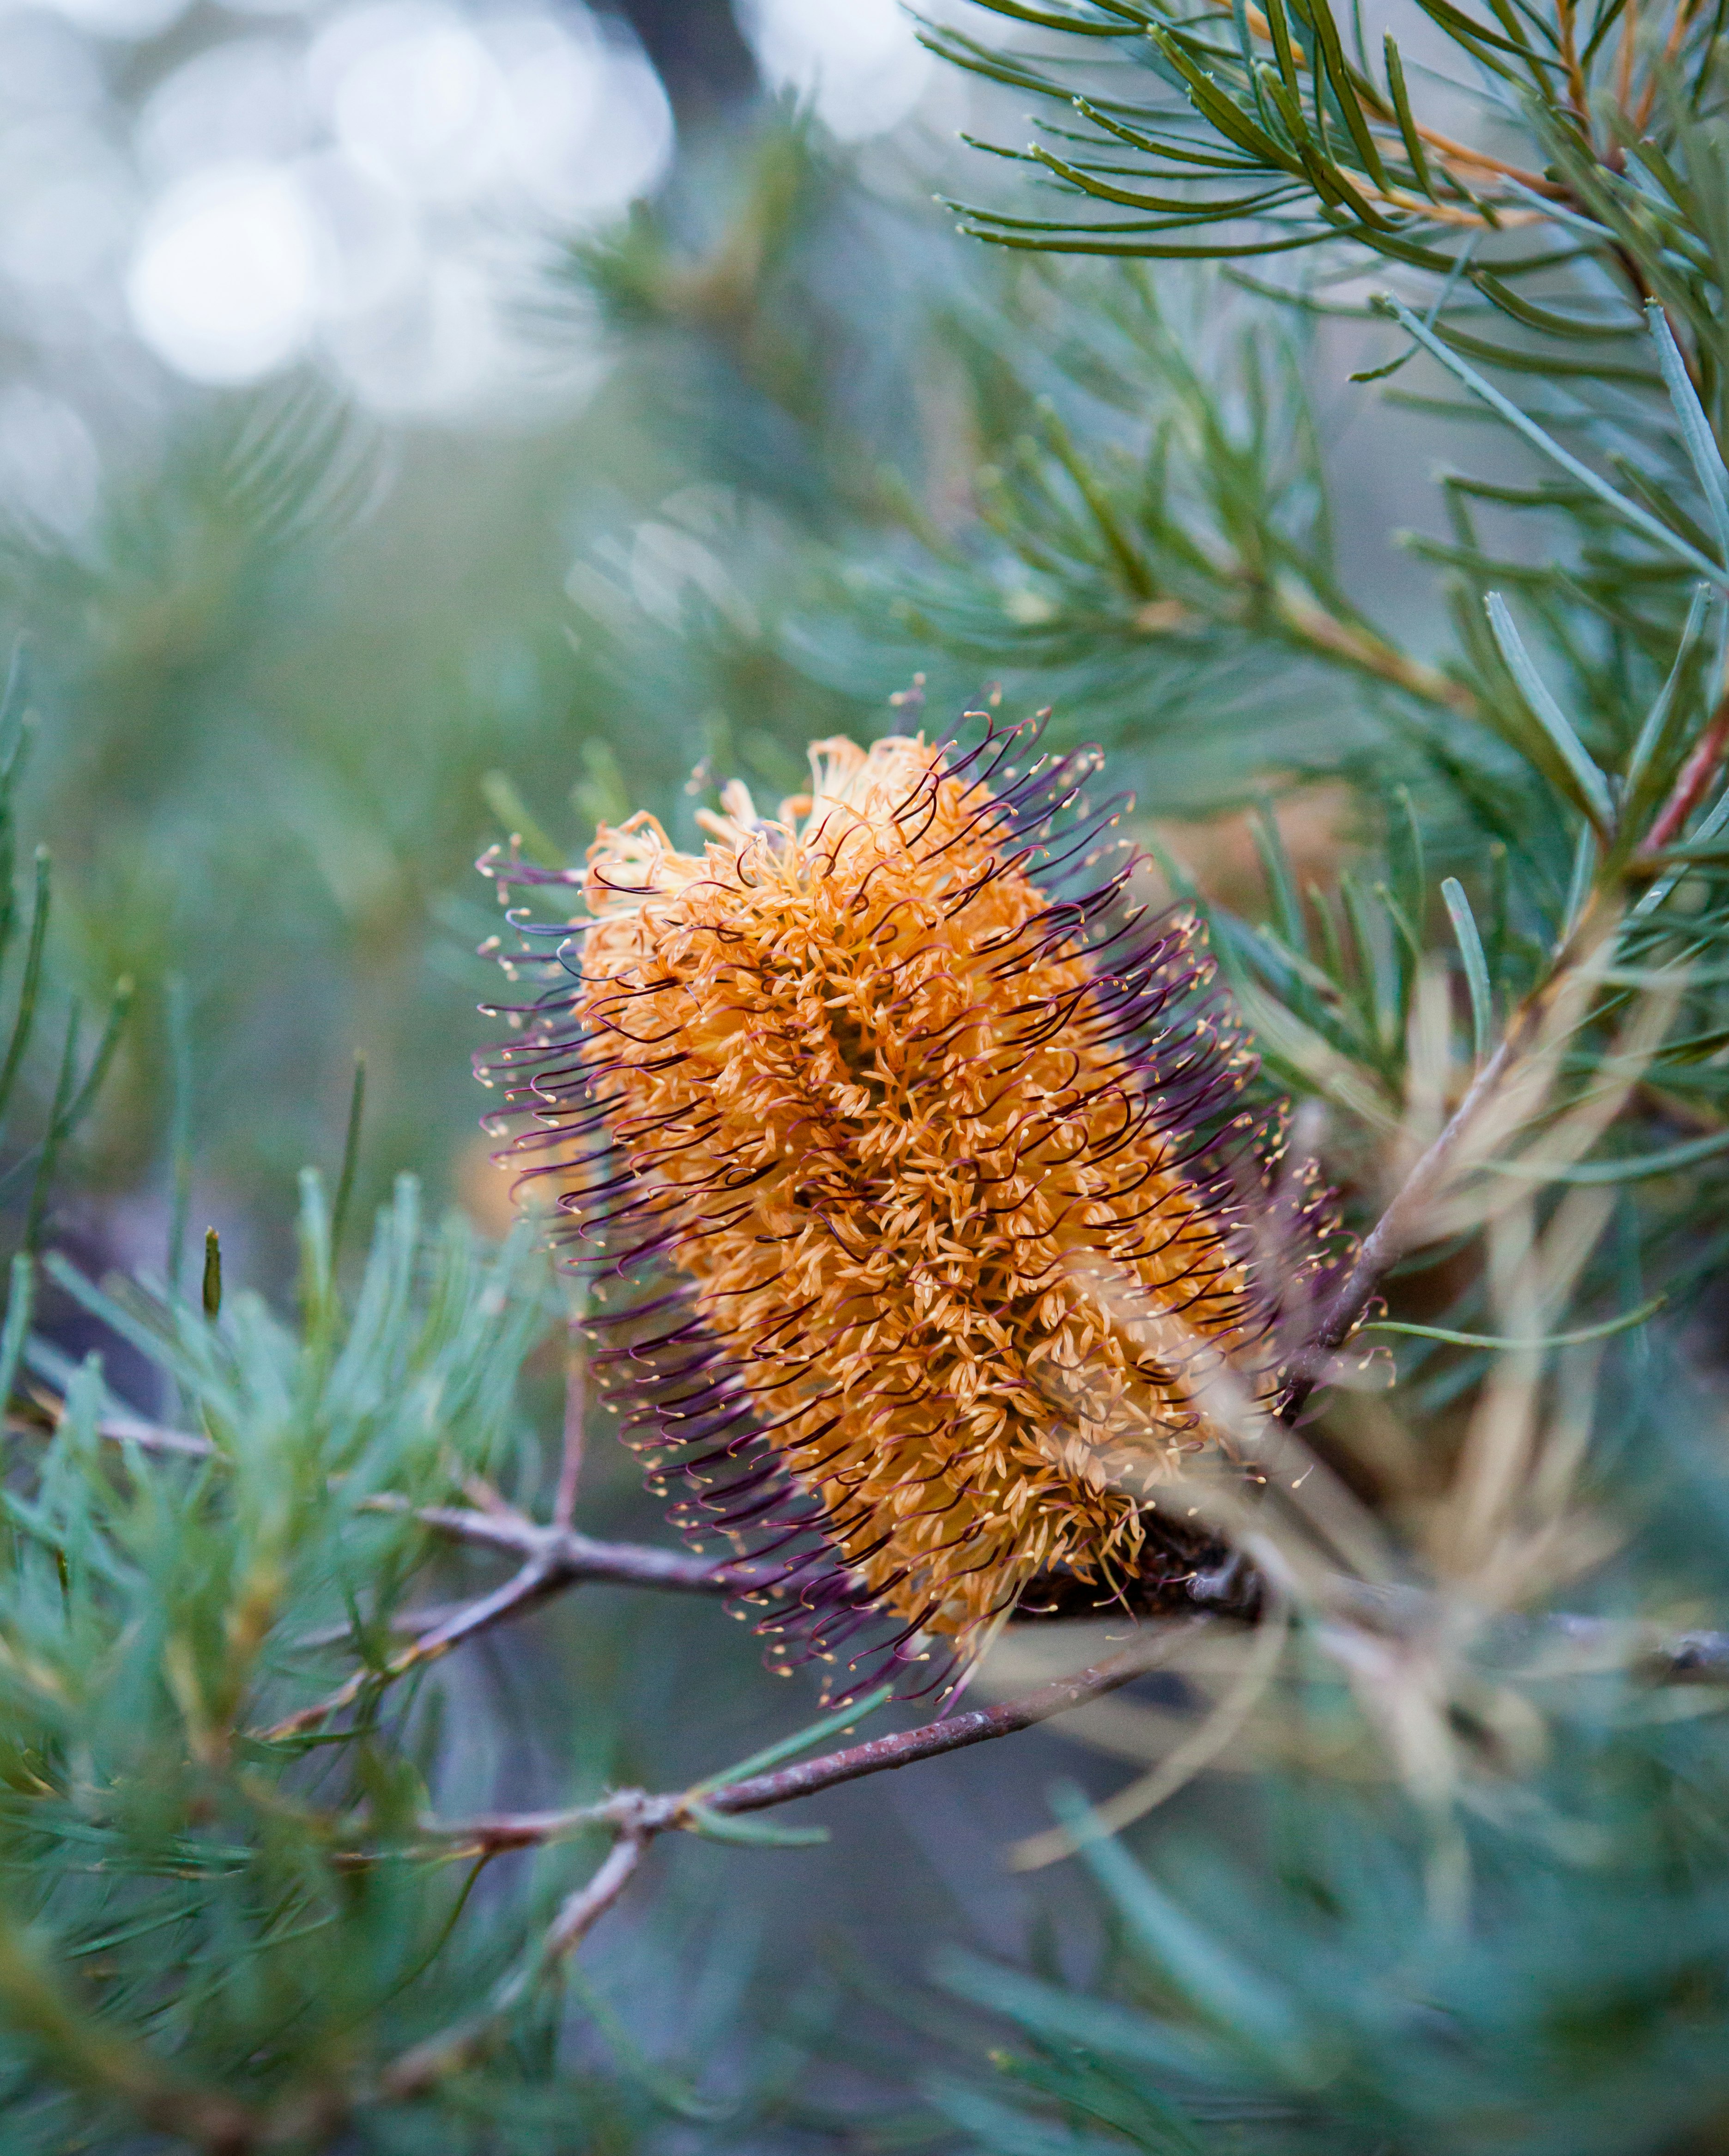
{"x":899,"y":1141}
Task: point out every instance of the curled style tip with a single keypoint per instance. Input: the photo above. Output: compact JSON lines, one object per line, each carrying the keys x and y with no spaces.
{"x":901,"y":1135}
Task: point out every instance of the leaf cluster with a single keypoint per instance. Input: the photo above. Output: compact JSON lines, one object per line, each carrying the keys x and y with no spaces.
{"x":215,"y":1931}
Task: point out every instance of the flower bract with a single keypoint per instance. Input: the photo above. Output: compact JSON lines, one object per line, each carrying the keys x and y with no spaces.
{"x":901,"y":1136}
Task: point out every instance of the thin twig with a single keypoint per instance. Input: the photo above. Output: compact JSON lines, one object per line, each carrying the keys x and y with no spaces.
{"x":1696,"y":1657}
{"x":117,"y":1430}
{"x":1361,"y":647}
{"x":523,"y":1588}
{"x":553,"y":1558}
{"x":637,"y":1816}
{"x":640,"y":1812}
{"x":1392,"y":1234}
{"x":573,"y":1557}
{"x":1695,"y":775}
{"x":1399,"y":1229}
{"x":493,"y":1834}
{"x":429,"y":2062}
{"x":954,"y":1733}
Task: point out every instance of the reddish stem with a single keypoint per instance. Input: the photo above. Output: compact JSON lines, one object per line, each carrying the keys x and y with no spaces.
{"x":951,"y":1734}
{"x":1696,"y":777}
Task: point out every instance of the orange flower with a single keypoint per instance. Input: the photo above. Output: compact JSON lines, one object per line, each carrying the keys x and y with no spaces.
{"x":901,"y":1135}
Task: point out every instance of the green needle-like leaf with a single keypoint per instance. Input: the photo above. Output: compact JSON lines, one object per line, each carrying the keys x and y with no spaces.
{"x":1590,"y":787}
{"x":1476,"y":968}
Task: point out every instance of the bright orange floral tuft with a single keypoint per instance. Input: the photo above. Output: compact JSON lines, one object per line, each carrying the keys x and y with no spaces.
{"x":933,"y":1150}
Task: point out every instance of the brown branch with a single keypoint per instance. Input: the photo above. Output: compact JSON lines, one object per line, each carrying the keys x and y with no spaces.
{"x":553,"y":1558}
{"x":1678,"y":30}
{"x":519,"y":1592}
{"x":1359,"y":646}
{"x":558,"y":1558}
{"x":570,"y":1557}
{"x":954,"y":1733}
{"x":1686,"y":1657}
{"x":494,"y":1833}
{"x":636,"y":1818}
{"x":1695,"y":775}
{"x":1575,"y":73}
{"x":639,"y":1812}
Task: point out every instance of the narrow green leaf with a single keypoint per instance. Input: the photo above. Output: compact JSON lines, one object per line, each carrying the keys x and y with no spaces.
{"x":1461,"y":262}
{"x":1377,"y":997}
{"x":1121,"y":547}
{"x":85,"y":1099}
{"x":1283,"y":52}
{"x":1696,"y":428}
{"x":1170,"y":212}
{"x":1640,"y":1168}
{"x":1281,"y":883}
{"x":1471,"y":34}
{"x":1609,"y":1326}
{"x":1333,"y":54}
{"x":1606,"y":18}
{"x":802,"y":1740}
{"x":1144,"y":250}
{"x":1592,"y":792}
{"x":1406,"y":118}
{"x":350,"y":1157}
{"x":212,"y":1275}
{"x":20,"y":1300}
{"x":1476,"y":968}
{"x":501,"y":796}
{"x":11,"y":710}
{"x":1640,"y":519}
{"x":24,"y":1020}
{"x":315,"y":1240}
{"x":1660,"y":890}
{"x":1648,"y":765}
{"x":1220,"y":1988}
{"x":745,"y":1826}
{"x":1055,"y":2015}
{"x":1413,"y":876}
{"x":1213,"y":105}
{"x":1584,"y":873}
{"x":1078,"y":26}
{"x":65,"y":1085}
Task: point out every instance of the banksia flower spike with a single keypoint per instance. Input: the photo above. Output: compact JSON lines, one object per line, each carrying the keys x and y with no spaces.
{"x":902,"y":1143}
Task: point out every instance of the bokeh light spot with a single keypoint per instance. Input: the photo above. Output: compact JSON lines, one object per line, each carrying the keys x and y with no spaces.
{"x":223,"y":284}
{"x":859,"y":63}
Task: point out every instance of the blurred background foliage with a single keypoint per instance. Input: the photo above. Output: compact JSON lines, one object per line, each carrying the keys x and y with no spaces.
{"x":423,"y":424}
{"x":551,"y":510}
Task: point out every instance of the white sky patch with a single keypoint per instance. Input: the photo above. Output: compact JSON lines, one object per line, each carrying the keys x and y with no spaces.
{"x":859,"y":62}
{"x":351,"y":197}
{"x":46,"y":66}
{"x":414,"y":97}
{"x":593,"y":130}
{"x":131,"y":20}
